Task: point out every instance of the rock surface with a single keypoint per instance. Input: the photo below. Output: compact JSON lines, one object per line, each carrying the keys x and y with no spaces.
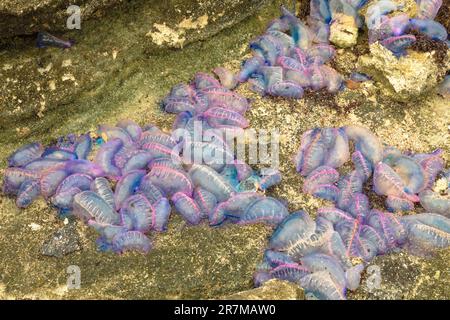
{"x":344,"y":31}
{"x":405,"y":78}
{"x":64,"y":241}
{"x":273,"y":289}
{"x":20,"y":17}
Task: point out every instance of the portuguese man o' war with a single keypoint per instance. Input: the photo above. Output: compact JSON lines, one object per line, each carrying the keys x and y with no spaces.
{"x":294,"y":56}
{"x":45,"y":39}
{"x":290,"y":57}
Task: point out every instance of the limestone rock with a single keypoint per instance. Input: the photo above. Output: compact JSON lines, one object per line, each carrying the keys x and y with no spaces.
{"x":404,"y":6}
{"x":273,"y":289}
{"x":344,"y":31}
{"x":404,"y":78}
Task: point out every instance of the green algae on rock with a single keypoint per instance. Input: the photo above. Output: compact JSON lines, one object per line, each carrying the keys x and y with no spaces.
{"x":273,"y":289}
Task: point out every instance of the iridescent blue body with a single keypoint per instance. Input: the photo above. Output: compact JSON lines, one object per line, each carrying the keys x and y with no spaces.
{"x":42,"y":164}
{"x":365,"y":142}
{"x":205,"y":200}
{"x":131,"y":127}
{"x":107,"y":231}
{"x":376,"y":10}
{"x":102,"y":187}
{"x":359,"y":206}
{"x":140,"y":212}
{"x":317,"y":262}
{"x":432,"y":163}
{"x":268,"y":210}
{"x":249,"y":67}
{"x":426,"y":232}
{"x":131,"y":240}
{"x":276,"y":258}
{"x":88,"y":205}
{"x":187,"y":208}
{"x":322,"y":286}
{"x":231,"y":100}
{"x":83,"y":166}
{"x":171,"y":181}
{"x":138,"y":161}
{"x":269,"y":178}
{"x":25,"y":155}
{"x":348,"y":185}
{"x":158,"y":137}
{"x":299,"y":31}
{"x":45,"y":39}
{"x":211,"y":181}
{"x":126,"y":186}
{"x":162,"y":213}
{"x":292,"y":272}
{"x":322,"y":175}
{"x":435,"y":202}
{"x":387,"y":182}
{"x":286,"y":89}
{"x":319,"y":9}
{"x":395,"y":204}
{"x":58,"y":154}
{"x":234,"y":208}
{"x":398,"y":44}
{"x":111,"y":132}
{"x":430,"y":28}
{"x":149,"y":190}
{"x":334,"y":215}
{"x":76,"y":180}
{"x":64,"y":200}
{"x":219,"y":117}
{"x":50,"y":181}
{"x":28,"y":192}
{"x":356,"y":245}
{"x":362,"y":165}
{"x":15,"y":177}
{"x":83,"y":146}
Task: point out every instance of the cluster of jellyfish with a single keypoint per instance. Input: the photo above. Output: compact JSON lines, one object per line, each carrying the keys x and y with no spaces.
{"x":320,"y":254}
{"x":292,"y":55}
{"x":125,"y":187}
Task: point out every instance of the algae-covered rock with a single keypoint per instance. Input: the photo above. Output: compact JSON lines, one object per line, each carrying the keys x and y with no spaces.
{"x":35,"y":83}
{"x":344,"y":31}
{"x":29,"y":16}
{"x":179,"y":25}
{"x":273,"y":289}
{"x":405,"y":78}
{"x":404,"y":276}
